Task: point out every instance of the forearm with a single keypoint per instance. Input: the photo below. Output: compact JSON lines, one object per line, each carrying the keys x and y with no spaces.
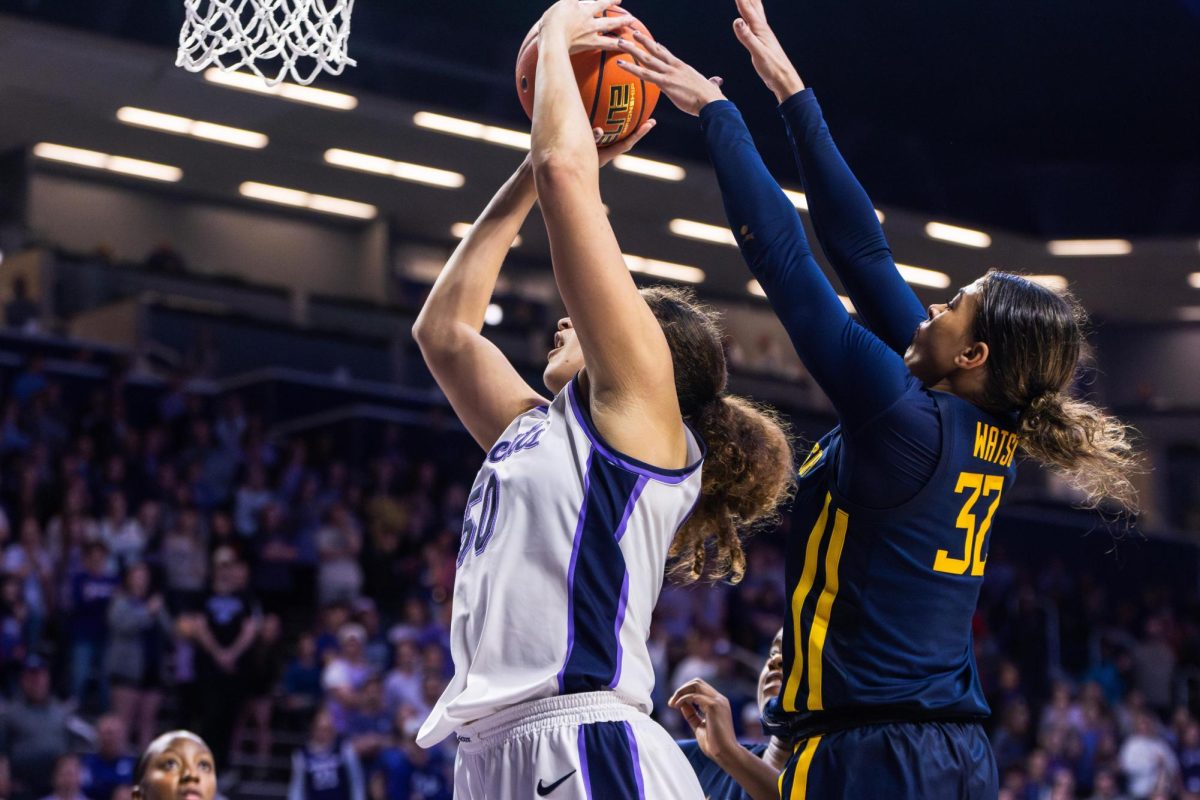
{"x":462,"y":292}
{"x":770,"y":234}
{"x":857,"y":371}
{"x":757,"y":778}
{"x":562,"y":140}
{"x":848,"y":227}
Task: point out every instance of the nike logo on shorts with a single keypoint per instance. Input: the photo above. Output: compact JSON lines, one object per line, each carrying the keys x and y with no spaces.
{"x":544,"y":790}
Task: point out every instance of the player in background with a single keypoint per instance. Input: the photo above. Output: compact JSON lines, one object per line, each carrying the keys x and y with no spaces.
{"x":584,"y":499}
{"x":881,"y":692}
{"x":727,"y":769}
{"x":176,"y":766}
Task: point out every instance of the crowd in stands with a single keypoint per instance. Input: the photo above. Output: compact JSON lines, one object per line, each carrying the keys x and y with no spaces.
{"x":179,"y":567}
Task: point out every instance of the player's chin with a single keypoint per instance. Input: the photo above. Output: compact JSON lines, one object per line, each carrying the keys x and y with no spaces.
{"x":555,"y":377}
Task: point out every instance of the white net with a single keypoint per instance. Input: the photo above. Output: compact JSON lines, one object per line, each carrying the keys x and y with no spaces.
{"x":273,"y":38}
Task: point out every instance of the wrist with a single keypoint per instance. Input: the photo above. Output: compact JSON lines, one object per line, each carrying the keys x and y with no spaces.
{"x":787,"y":86}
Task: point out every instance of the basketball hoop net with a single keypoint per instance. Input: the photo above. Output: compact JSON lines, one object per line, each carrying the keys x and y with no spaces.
{"x":300,"y":38}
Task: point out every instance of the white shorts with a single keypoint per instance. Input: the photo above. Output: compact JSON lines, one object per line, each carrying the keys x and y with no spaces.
{"x":571,"y":747}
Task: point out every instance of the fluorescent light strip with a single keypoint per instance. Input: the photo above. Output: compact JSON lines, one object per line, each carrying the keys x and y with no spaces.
{"x":755,"y":288}
{"x":120,"y":164}
{"x":1055,"y":283}
{"x":800,"y":201}
{"x":247,"y":82}
{"x":702,"y":231}
{"x":169,"y":123}
{"x":664,"y":269}
{"x":401,"y":170}
{"x":920,"y":276}
{"x":459,"y":230}
{"x":1090,"y":247}
{"x":659,"y":170}
{"x":314,"y":202}
{"x":504,"y":137}
{"x":1194,"y":280}
{"x":1189,"y":313}
{"x":956,"y":235}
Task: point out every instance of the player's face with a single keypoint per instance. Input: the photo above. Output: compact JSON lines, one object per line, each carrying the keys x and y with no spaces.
{"x":182,"y":769}
{"x":770,"y":680}
{"x":944,"y":336}
{"x":565,"y":360}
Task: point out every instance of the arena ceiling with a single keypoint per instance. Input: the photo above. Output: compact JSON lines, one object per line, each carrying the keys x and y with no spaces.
{"x":1120,"y":158}
{"x":1069,"y":118}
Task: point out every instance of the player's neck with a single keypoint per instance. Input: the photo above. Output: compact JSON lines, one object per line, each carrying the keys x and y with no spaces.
{"x":777,"y":753}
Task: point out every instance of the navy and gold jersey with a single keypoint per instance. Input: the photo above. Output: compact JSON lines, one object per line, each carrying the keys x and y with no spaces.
{"x":881,"y":601}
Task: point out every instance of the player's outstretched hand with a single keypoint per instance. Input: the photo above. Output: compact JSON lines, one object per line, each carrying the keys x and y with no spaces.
{"x":688,"y":89}
{"x":584,"y":24}
{"x":708,"y":714}
{"x":607,"y":154}
{"x":770,"y":61}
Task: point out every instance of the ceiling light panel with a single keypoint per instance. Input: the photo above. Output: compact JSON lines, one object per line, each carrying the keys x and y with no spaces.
{"x":957,"y":235}
{"x":198,"y":129}
{"x":664,"y":269}
{"x":123,"y":165}
{"x":401,"y":170}
{"x":920,"y":276}
{"x":243,"y":81}
{"x":1090,"y":247}
{"x":702,"y":231}
{"x":296,"y":198}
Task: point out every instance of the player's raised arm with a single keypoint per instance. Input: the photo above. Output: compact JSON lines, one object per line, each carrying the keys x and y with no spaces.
{"x":484,"y":389}
{"x":629,"y":375}
{"x":842,"y":214}
{"x":858,"y":372}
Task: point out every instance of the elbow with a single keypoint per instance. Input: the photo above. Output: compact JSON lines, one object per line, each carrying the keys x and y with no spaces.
{"x":558,"y":169}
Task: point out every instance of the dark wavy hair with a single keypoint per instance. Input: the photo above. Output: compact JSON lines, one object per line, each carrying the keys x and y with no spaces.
{"x":748,"y":472}
{"x":1036,"y":341}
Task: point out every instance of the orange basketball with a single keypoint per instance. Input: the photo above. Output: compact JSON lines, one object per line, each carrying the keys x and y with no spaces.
{"x":617,"y":102}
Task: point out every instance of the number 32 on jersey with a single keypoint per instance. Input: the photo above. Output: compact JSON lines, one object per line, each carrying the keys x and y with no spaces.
{"x":975,"y":486}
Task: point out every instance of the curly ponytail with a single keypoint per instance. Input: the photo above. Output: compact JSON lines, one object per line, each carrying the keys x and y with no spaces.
{"x":1089,"y":448}
{"x":1035,"y":340}
{"x":748,"y":471}
{"x":747,"y":474}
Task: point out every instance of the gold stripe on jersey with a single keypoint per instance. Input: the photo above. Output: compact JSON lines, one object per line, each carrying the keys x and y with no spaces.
{"x":820,"y":624}
{"x":803,"y":765}
{"x":808,"y":576}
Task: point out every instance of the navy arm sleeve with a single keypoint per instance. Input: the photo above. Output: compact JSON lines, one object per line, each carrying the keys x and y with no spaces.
{"x":848,"y":229}
{"x":859,"y":373}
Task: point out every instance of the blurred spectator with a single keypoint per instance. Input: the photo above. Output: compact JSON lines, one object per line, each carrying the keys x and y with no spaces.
{"x":403,"y":683}
{"x":21,"y":312}
{"x":91,"y":592}
{"x":68,"y":779}
{"x":138,"y":627}
{"x":253,"y":497}
{"x":28,"y":561}
{"x":228,"y":630}
{"x":326,"y":768}
{"x":34,"y":731}
{"x":302,"y":678}
{"x":1189,"y":758}
{"x":185,"y":562}
{"x":1146,"y":759}
{"x":346,"y":674}
{"x":123,"y":534}
{"x":112,"y":764}
{"x":1107,"y":787}
{"x":339,"y":542}
{"x":1154,"y":666}
{"x":263,"y":664}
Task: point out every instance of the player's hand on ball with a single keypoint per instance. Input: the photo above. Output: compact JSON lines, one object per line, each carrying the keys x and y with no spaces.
{"x":708,"y":714}
{"x":688,"y":89}
{"x":770,"y":61}
{"x":607,"y":154}
{"x":583,"y":23}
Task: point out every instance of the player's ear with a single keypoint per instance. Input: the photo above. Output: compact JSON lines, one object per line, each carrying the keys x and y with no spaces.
{"x":973,"y":356}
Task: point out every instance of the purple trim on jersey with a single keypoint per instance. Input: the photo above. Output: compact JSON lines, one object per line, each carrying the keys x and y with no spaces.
{"x":583,"y":762}
{"x":637,"y":761}
{"x":571,"y":572}
{"x":638,"y":488}
{"x":659,"y":474}
{"x":617,"y":630}
{"x":543,"y":409}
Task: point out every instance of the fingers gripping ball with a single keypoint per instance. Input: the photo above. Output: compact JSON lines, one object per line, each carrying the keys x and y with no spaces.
{"x":617,"y":102}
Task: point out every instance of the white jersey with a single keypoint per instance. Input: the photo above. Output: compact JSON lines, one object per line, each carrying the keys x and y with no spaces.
{"x":563,"y":552}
